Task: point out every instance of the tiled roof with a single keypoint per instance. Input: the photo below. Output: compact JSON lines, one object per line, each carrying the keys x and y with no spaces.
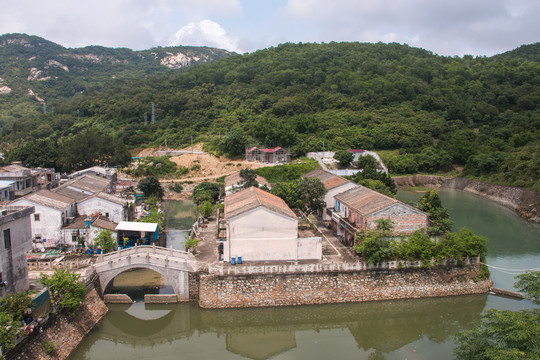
{"x":328,"y":179}
{"x":251,"y":198}
{"x":91,"y":184}
{"x":265,"y":150}
{"x":101,"y":222}
{"x":235,"y":179}
{"x":112,"y":198}
{"x":364,"y":200}
{"x":71,"y":193}
{"x":50,"y":199}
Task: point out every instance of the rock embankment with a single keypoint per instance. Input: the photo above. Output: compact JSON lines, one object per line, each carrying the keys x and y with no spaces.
{"x":525,"y":201}
{"x":66,"y":332}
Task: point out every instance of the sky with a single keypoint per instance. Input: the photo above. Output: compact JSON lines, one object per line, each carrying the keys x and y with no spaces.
{"x":450,"y":27}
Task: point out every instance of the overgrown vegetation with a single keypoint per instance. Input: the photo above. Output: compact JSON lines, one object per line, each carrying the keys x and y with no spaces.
{"x":505,"y":334}
{"x":12,"y":310}
{"x":156,"y":166}
{"x":305,"y":194}
{"x":150,"y":186}
{"x":287,"y":172}
{"x":381,"y":245}
{"x":206,"y":191}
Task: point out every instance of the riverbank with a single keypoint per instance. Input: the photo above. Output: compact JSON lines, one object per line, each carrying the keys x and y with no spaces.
{"x":64,"y":333}
{"x":524,"y":201}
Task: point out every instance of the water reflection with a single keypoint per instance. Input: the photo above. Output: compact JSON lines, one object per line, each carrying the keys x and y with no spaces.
{"x":179,"y":218}
{"x":376,"y":328}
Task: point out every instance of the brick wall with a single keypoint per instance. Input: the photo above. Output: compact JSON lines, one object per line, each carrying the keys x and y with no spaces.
{"x":217,"y":291}
{"x":65,"y":331}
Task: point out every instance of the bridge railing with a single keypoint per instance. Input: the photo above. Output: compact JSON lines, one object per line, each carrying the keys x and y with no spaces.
{"x":147,"y":255}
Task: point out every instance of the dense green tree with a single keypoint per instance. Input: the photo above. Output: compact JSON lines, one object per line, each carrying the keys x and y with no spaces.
{"x":64,"y":288}
{"x":249,"y":178}
{"x":439,"y":217}
{"x":151,"y":186}
{"x":206,"y":209}
{"x":344,"y":158}
{"x":206,"y":191}
{"x":104,"y":240}
{"x":235,"y":143}
{"x":529,"y":283}
{"x":501,"y":335}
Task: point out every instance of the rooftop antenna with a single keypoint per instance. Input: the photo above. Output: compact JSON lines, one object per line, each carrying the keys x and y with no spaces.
{"x":153,"y":118}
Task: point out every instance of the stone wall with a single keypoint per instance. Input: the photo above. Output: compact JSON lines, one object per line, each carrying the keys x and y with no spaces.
{"x":193,"y":286}
{"x":65,"y":331}
{"x":218,"y":291}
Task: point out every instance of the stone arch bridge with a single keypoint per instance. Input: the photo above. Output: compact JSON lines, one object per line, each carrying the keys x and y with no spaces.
{"x":173,"y":265}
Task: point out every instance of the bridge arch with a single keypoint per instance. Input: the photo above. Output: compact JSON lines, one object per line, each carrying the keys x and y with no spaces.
{"x":173,"y":265}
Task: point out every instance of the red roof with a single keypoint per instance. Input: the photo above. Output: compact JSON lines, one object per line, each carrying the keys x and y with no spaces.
{"x":265,"y":150}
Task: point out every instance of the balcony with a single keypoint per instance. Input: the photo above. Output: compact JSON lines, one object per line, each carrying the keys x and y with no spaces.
{"x":343,"y":222}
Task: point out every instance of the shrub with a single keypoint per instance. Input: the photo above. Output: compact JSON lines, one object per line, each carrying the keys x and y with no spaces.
{"x":191,"y":244}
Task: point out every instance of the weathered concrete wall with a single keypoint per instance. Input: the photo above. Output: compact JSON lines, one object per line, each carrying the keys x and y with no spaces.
{"x":335,"y":287}
{"x":160,"y":299}
{"x":66,"y":332}
{"x":525,"y":201}
{"x":117,"y":299}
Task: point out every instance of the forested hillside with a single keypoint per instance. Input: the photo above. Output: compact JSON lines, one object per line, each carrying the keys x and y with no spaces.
{"x":34,"y":71}
{"x":480,"y":115}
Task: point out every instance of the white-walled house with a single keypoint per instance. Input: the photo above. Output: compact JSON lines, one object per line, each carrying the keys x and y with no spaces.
{"x":334,"y":185}
{"x":15,"y":242}
{"x":84,"y":229}
{"x":261,"y":227}
{"x":52,"y":211}
{"x":113,"y":207}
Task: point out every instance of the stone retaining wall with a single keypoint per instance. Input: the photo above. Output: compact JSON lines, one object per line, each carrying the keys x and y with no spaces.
{"x":217,"y":291}
{"x":160,"y":299}
{"x":66,"y":332}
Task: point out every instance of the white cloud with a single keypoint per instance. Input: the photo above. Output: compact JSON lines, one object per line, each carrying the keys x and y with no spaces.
{"x":205,"y":32}
{"x":136,"y":24}
{"x":447,"y":27}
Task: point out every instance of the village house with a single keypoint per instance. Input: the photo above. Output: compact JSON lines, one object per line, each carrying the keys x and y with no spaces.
{"x":277,"y":155}
{"x":81,"y":187}
{"x":7,"y":190}
{"x":100,"y":171}
{"x":334,"y":185}
{"x":84,"y":229}
{"x":52,"y":211}
{"x":234,"y":181}
{"x":15,"y":242}
{"x":261,"y":227}
{"x":110,"y":206}
{"x":26,"y":181}
{"x":359,"y":209}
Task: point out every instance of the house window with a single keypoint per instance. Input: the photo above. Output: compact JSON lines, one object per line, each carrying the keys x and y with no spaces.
{"x":7,"y":239}
{"x":36,"y":217}
{"x":107,"y":214}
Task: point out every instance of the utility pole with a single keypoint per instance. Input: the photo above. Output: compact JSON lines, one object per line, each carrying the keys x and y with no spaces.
{"x":44,"y":108}
{"x":192,"y":144}
{"x":145,"y":119}
{"x":78,"y":115}
{"x":153,"y":118}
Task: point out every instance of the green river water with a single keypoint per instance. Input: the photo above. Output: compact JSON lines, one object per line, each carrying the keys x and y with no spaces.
{"x":405,"y":329}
